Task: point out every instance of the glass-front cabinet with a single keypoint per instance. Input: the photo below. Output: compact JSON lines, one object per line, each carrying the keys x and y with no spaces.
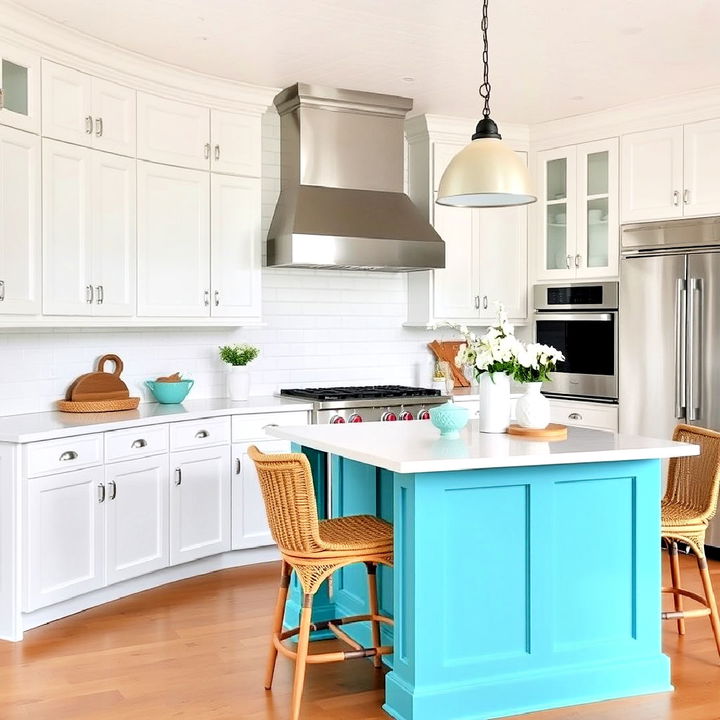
{"x":578,"y":208}
{"x":19,"y":88}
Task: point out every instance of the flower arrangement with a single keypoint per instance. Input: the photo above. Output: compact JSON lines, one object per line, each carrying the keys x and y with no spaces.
{"x":238,"y":355}
{"x":535,"y":362}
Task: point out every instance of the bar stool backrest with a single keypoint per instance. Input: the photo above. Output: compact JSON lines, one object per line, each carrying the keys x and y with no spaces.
{"x":287,"y":488}
{"x":694,"y":482}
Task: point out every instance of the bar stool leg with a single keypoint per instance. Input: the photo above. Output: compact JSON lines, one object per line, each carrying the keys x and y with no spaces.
{"x":285,"y":572}
{"x":675,"y":575}
{"x":373,"y":598}
{"x":710,"y":596}
{"x":302,"y":653}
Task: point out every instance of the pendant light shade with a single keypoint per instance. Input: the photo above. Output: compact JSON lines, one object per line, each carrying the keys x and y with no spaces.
{"x":486,"y":173}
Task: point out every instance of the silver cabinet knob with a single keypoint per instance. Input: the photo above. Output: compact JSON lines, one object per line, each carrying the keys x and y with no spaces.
{"x":101,"y":493}
{"x":98,"y":127}
{"x":178,"y":476}
{"x":68,"y":455}
{"x":238,"y":466}
{"x":140,"y":443}
{"x":485,"y":302}
{"x":217,"y":152}
{"x":676,"y":198}
{"x":202,"y":434}
{"x":575,"y":416}
{"x":89,"y":294}
{"x":88,"y":124}
{"x":113,"y":490}
{"x":206,"y":298}
{"x":100,"y":292}
{"x":477,"y":302}
{"x":686,"y":196}
{"x":578,"y":260}
{"x":217,"y":298}
{"x":207,"y":151}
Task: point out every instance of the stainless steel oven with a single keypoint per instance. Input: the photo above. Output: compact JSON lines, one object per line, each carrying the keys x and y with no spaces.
{"x":581,"y":320}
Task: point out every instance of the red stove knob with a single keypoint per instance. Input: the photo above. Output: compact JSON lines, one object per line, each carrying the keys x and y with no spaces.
{"x":406,"y":415}
{"x":388,"y":416}
{"x":355,"y":418}
{"x":423,"y":414}
{"x":337,"y":420}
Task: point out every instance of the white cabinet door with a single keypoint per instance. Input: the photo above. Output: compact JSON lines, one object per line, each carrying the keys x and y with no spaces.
{"x":236,"y":246}
{"x":456,"y":286}
{"x":20,"y":86}
{"x":67,"y":287}
{"x":200,"y":508}
{"x":173,"y":132}
{"x":114,"y":123}
{"x":651,"y":175}
{"x":20,"y":215}
{"x":236,"y":143}
{"x":64,"y":536}
{"x":249,"y":519}
{"x":113,"y":234}
{"x":173,"y":241}
{"x":137,"y":531}
{"x":66,"y":104}
{"x":701,"y":192}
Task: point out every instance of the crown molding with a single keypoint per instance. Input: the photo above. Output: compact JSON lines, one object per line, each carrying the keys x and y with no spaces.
{"x":63,"y":45}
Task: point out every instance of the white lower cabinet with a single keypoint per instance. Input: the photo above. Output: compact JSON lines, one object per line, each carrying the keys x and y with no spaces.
{"x":199,"y":503}
{"x":64,"y":537}
{"x":596,"y":416}
{"x":136,"y":493}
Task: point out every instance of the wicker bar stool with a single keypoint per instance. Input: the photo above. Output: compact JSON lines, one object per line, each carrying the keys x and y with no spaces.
{"x":689,"y":503}
{"x":315,"y":549}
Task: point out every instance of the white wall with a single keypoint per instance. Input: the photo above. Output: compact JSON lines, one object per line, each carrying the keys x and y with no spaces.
{"x":323,"y":328}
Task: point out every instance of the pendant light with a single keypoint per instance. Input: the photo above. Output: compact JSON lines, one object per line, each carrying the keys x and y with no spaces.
{"x":486,"y":173}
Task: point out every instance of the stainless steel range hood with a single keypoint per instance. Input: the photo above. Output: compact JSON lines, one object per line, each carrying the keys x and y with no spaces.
{"x":341,"y":203}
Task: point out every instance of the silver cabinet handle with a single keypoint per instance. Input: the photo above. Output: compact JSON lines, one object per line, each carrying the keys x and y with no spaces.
{"x":206,"y":297}
{"x":89,"y":294}
{"x":100,"y":291}
{"x":113,"y":489}
{"x":217,"y":298}
{"x":207,"y":151}
{"x":477,"y":302}
{"x":178,"y":476}
{"x":575,"y":416}
{"x":238,"y":466}
{"x":98,"y":127}
{"x":676,"y":198}
{"x":485,"y":302}
{"x":578,"y":260}
{"x":101,"y":493}
{"x":568,"y":259}
{"x":686,"y":196}
{"x":693,"y":343}
{"x":217,"y":152}
{"x":68,"y":455}
{"x":140,"y":443}
{"x":88,"y":124}
{"x":202,"y":434}
{"x":680,"y":348}
{"x":2,"y":290}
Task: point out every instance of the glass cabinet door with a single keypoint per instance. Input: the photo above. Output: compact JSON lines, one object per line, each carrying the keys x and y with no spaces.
{"x":19,"y":82}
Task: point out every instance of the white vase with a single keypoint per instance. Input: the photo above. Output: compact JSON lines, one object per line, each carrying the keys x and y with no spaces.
{"x":494,"y":413}
{"x":533,"y":408}
{"x":238,"y":383}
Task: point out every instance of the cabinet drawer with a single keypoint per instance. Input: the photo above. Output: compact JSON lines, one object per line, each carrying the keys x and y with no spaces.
{"x":136,"y":442}
{"x":251,"y":427}
{"x":200,"y":433}
{"x":55,"y":456}
{"x":599,"y":417}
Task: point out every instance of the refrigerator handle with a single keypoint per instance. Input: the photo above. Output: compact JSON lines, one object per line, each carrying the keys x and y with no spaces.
{"x":693,"y":340}
{"x":680,"y":348}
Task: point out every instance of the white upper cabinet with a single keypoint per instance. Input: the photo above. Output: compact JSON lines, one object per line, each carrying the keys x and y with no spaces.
{"x":20,"y":87}
{"x":578,"y":223}
{"x":173,"y":132}
{"x":701,"y":190}
{"x":173,"y":241}
{"x":235,"y":246}
{"x":236,"y":143}
{"x":652,"y":175}
{"x":84,"y":110}
{"x":20,"y":218}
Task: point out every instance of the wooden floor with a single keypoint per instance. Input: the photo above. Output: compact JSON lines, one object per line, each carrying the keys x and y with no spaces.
{"x":196,"y":649}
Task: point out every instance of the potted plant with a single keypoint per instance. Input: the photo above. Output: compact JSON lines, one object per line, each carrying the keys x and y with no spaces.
{"x":534,"y":364}
{"x":237,"y":358}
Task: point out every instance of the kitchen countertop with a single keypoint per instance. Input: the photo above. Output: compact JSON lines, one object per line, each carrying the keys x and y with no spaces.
{"x":33,"y":427}
{"x":416,"y":446}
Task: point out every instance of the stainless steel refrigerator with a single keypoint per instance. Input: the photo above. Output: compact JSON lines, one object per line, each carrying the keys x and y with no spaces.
{"x":669,"y":344}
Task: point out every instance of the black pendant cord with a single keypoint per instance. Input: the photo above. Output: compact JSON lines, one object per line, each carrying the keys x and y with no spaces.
{"x":486,"y":128}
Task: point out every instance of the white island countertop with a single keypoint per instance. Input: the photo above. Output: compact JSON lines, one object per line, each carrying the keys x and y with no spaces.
{"x":33,"y":427}
{"x":416,"y":446}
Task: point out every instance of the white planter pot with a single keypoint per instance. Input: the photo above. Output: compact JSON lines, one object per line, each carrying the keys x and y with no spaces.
{"x":238,"y":383}
{"x":533,"y":408}
{"x":494,"y":413}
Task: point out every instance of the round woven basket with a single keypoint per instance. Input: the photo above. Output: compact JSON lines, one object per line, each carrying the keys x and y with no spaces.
{"x":93,"y":406}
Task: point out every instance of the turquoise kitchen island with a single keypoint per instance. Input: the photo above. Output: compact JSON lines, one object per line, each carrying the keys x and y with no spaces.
{"x":527,"y":573}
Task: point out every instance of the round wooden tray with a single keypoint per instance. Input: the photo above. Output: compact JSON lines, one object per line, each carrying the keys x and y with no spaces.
{"x":93,"y":406}
{"x":551,"y":432}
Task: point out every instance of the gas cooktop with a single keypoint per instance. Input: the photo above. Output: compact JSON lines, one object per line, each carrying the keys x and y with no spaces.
{"x":368,"y":392}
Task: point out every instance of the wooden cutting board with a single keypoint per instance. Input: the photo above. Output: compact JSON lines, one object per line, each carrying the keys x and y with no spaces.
{"x":100,"y":385}
{"x":447,"y":351}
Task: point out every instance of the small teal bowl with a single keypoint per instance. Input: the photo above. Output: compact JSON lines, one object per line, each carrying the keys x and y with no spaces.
{"x":170,"y":393}
{"x":449,"y":419}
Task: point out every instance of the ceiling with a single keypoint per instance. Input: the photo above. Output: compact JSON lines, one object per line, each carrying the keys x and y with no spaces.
{"x":548,"y":59}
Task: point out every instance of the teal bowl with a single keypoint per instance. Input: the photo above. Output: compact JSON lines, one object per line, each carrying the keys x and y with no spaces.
{"x":449,"y":419}
{"x":170,"y":393}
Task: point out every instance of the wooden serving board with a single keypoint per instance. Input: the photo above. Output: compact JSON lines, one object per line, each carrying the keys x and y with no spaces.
{"x":100,"y":385}
{"x":552,"y":432}
{"x":447,"y":351}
